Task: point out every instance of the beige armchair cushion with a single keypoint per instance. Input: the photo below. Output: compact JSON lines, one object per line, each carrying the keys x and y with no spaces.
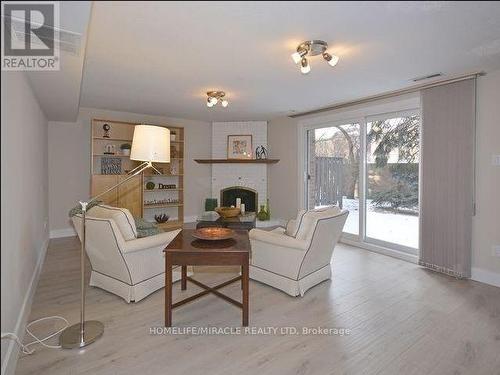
{"x":306,"y":227}
{"x":293,"y":225}
{"x":121,"y":216}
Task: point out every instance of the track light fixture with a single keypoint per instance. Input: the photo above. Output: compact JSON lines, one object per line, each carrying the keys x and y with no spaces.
{"x":312,"y":48}
{"x":214,"y":97}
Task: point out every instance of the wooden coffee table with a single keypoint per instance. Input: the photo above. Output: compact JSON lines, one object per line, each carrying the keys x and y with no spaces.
{"x":185,"y":250}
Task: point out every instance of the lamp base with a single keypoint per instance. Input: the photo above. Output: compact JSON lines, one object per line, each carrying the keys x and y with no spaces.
{"x":72,"y":338}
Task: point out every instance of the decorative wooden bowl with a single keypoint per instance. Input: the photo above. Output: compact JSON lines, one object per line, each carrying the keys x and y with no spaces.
{"x":213,"y":233}
{"x":227,"y":212}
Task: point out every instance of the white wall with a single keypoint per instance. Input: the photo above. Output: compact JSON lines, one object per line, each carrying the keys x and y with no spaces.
{"x":253,"y":176}
{"x":24,"y":205}
{"x":69,"y":163}
{"x":486,"y":223}
{"x":283,"y":177}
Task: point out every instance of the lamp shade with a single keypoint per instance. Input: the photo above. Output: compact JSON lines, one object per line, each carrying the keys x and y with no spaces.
{"x":151,"y":143}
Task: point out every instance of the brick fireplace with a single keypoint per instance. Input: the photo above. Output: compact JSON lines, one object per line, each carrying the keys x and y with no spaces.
{"x":249,"y":197}
{"x":246,"y":177}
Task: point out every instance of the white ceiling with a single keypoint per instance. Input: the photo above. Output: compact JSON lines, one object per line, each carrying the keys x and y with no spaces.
{"x":160,"y":58}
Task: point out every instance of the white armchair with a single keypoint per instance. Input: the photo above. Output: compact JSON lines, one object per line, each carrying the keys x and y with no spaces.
{"x":297,"y":258}
{"x":121,"y":263}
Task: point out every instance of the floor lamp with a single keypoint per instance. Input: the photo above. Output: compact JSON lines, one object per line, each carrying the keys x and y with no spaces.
{"x":150,"y":144}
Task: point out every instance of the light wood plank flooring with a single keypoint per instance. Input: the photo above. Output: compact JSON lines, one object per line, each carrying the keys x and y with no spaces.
{"x":403,"y":320}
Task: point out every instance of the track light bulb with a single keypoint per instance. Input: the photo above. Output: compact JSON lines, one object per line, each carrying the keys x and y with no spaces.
{"x":212,"y":100}
{"x":296,"y":57}
{"x":304,"y":66}
{"x":331,"y":59}
{"x":224,"y":103}
{"x":209,"y":104}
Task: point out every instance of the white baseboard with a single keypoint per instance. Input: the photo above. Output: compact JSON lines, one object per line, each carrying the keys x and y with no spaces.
{"x":60,"y":233}
{"x":12,"y":353}
{"x":190,"y":219}
{"x":485,"y":276}
{"x":382,"y":250}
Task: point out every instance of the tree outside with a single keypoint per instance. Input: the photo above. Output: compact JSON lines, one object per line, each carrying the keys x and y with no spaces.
{"x":393,"y":156}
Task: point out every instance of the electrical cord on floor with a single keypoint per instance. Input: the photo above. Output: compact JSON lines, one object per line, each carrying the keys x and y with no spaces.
{"x":25,"y":347}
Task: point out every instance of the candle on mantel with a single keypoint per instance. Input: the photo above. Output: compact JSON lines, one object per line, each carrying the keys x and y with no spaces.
{"x":242,"y":208}
{"x":238,"y":202}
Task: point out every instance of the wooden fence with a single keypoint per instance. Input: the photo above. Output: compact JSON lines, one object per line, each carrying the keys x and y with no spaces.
{"x":328,"y":181}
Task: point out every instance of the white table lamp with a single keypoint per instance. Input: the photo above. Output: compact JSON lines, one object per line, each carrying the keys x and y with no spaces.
{"x":151,"y":144}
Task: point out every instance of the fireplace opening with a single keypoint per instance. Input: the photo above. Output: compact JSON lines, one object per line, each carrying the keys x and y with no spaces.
{"x":248,"y":197}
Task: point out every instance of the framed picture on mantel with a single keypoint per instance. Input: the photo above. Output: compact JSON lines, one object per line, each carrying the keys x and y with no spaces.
{"x":239,"y":147}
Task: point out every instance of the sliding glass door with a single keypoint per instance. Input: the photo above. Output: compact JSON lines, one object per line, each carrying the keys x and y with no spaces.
{"x":392,"y":164}
{"x":333,"y":170}
{"x":371,"y":168}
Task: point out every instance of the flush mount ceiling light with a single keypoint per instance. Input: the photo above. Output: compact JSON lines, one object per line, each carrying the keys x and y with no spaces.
{"x":214,"y":97}
{"x":312,"y":48}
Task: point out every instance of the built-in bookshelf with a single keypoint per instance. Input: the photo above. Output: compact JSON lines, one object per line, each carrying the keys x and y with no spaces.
{"x":110,"y":162}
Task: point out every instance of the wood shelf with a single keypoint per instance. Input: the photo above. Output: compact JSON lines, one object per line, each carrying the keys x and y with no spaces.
{"x":110,"y":155}
{"x":236,"y":161}
{"x":156,"y":189}
{"x":112,"y":139}
{"x":171,"y":224}
{"x":127,"y":156}
{"x":123,"y":140}
{"x":163,"y":175}
{"x":171,"y":158}
{"x":165,"y":205}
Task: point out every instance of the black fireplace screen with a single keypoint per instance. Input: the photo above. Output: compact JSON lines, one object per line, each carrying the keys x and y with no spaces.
{"x":248,"y":197}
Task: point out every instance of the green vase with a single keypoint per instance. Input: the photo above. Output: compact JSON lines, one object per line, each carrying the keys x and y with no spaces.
{"x":262,"y":214}
{"x":268,"y":210}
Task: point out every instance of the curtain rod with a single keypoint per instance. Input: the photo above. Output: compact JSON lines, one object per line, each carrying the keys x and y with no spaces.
{"x":390,"y":94}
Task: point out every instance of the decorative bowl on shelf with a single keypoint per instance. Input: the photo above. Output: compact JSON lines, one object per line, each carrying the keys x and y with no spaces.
{"x":228,"y":212}
{"x":213,"y":234}
{"x":162,"y":218}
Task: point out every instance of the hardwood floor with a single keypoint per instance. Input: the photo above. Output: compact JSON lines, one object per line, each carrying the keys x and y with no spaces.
{"x":403,"y":319}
